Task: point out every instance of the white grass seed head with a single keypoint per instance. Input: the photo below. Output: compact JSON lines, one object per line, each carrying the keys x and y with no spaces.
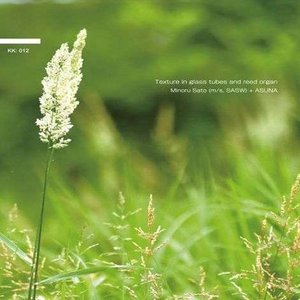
{"x":60,"y":86}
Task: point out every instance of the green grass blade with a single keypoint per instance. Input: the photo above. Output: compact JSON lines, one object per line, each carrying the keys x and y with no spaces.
{"x":15,"y":249}
{"x":78,"y":273}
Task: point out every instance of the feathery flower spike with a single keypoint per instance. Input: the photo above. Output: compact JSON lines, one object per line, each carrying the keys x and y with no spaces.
{"x":57,"y":103}
{"x":59,"y":93}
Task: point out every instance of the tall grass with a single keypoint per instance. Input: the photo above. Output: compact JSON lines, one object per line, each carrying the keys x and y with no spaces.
{"x":117,"y":259}
{"x":57,"y":103}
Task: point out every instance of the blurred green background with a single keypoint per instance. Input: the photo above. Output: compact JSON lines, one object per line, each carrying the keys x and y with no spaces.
{"x":130,"y":44}
{"x":132,"y":135}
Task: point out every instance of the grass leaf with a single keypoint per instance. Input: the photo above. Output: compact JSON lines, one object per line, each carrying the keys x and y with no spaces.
{"x":14,"y":248}
{"x":78,"y":273}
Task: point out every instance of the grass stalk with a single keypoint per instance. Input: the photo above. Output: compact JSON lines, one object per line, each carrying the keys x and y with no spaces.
{"x":36,"y":253}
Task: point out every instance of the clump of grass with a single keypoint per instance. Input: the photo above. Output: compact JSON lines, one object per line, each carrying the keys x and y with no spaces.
{"x":72,"y":259}
{"x":139,"y":274}
{"x":121,"y":240}
{"x":149,"y":277}
{"x":129,"y":271}
{"x":275,"y":271}
{"x":13,"y":260}
{"x":139,"y":280}
{"x":14,"y":263}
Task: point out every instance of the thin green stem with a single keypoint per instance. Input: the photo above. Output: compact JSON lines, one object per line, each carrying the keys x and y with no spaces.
{"x":36,"y":253}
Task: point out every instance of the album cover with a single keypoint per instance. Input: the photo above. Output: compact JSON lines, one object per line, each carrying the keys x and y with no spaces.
{"x":149,"y":149}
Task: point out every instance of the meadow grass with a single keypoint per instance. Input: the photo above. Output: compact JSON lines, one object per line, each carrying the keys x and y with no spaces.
{"x":195,"y":228}
{"x":95,"y":240}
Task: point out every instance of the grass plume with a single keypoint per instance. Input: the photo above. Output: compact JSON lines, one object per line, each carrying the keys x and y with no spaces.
{"x":56,"y":104}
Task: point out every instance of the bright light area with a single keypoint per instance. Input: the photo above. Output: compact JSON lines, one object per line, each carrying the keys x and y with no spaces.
{"x":7,"y":41}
